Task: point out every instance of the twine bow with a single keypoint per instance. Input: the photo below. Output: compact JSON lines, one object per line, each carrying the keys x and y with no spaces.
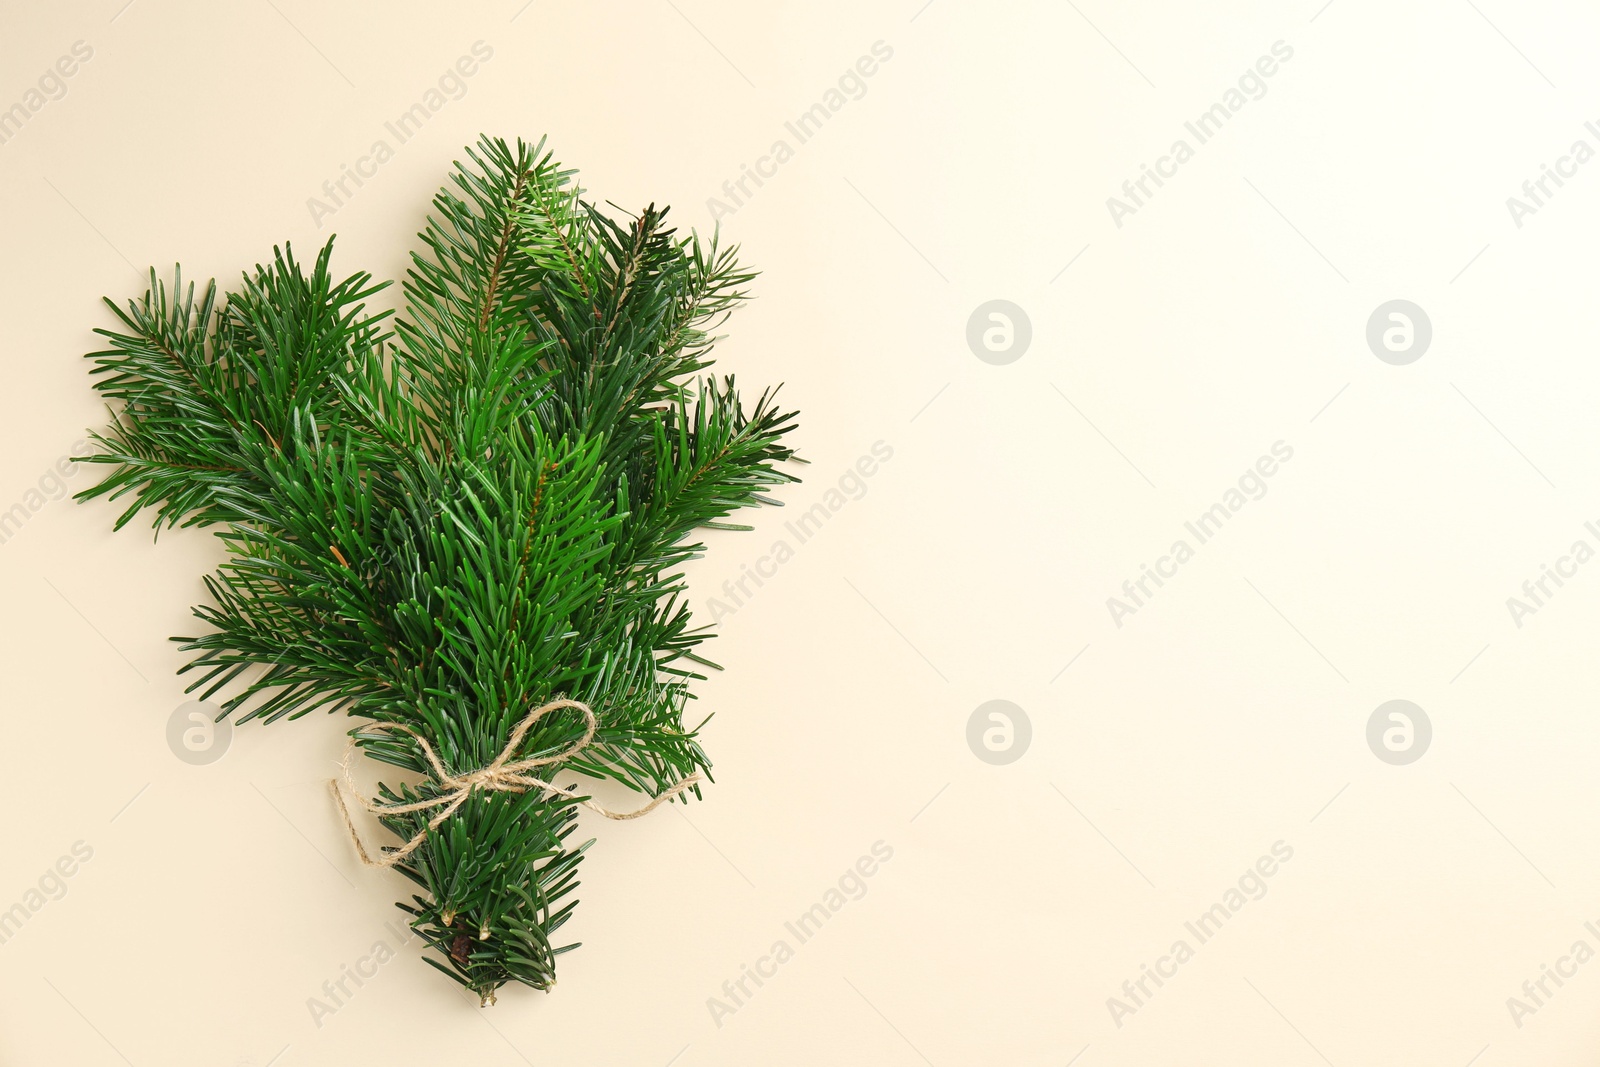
{"x":502,"y":774}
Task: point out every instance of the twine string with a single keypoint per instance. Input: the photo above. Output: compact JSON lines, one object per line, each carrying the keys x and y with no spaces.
{"x":502,"y":774}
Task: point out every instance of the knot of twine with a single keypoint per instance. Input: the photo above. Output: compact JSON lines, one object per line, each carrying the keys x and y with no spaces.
{"x":502,"y":774}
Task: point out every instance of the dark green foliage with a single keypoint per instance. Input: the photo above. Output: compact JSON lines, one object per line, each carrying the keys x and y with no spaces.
{"x":446,"y":523}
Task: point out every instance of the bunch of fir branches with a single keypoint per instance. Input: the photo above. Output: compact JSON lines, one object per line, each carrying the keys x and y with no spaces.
{"x":441,"y":520}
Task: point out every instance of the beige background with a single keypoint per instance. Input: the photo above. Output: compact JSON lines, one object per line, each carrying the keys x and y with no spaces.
{"x":1167,"y":755}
